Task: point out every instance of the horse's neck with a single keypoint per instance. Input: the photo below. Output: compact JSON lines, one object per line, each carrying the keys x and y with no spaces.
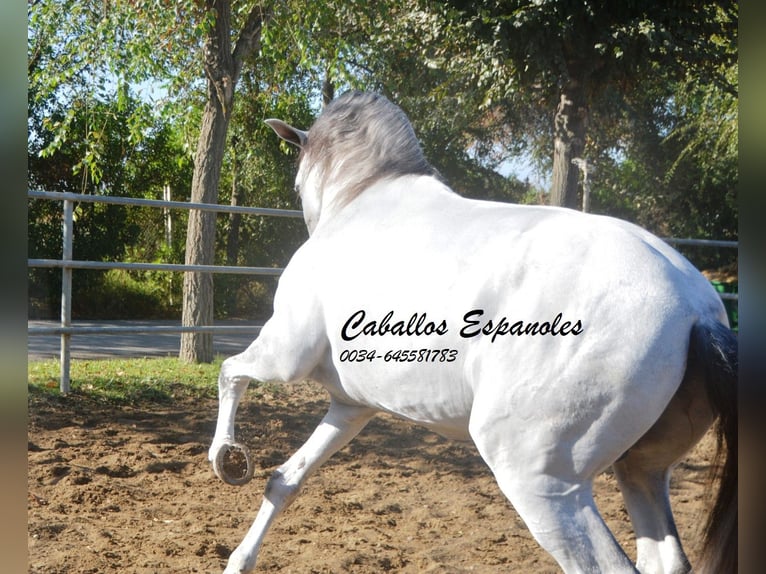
{"x":382,"y":197}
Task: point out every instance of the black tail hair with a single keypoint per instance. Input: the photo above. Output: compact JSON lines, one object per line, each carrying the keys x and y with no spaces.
{"x":716,"y":348}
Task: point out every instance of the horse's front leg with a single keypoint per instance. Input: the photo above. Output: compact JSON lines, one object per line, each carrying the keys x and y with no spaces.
{"x":267,"y":359}
{"x":236,"y":373}
{"x":341,"y":424}
{"x":231,"y":387}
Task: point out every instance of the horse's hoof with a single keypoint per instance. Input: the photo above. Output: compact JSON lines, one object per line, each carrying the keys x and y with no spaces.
{"x":233,"y":465}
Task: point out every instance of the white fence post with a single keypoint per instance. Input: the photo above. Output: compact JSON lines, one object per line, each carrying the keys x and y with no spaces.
{"x":66,"y":295}
{"x":167,"y":196}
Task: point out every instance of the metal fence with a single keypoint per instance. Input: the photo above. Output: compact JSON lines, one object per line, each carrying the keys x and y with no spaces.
{"x":66,"y":264}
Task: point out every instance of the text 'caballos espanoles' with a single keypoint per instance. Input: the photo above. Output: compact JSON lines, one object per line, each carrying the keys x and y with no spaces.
{"x":474,"y":324}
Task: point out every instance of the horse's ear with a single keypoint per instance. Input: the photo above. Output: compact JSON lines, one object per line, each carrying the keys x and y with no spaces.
{"x":288,"y":133}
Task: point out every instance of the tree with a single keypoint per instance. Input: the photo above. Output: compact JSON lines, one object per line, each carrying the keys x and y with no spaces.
{"x":563,"y":60}
{"x":222,"y":67}
{"x":670,"y":161}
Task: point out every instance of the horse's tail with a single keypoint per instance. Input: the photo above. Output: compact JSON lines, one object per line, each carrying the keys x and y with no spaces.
{"x":716,"y":350}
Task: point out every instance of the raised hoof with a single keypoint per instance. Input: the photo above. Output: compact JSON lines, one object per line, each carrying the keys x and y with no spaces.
{"x":233,"y":465}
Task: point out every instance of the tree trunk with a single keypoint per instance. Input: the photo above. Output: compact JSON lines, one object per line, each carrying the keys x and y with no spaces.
{"x":570,"y":124}
{"x":222,"y":69}
{"x":200,"y":235}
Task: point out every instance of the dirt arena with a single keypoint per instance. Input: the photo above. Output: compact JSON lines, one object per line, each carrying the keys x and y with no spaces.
{"x":130,"y":489}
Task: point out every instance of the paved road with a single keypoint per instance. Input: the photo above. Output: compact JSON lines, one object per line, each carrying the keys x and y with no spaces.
{"x":128,"y":344}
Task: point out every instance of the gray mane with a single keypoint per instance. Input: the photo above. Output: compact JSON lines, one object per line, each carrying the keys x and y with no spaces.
{"x":360,"y":139}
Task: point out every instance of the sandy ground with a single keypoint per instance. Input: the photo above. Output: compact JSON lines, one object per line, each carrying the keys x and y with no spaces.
{"x":129,"y":489}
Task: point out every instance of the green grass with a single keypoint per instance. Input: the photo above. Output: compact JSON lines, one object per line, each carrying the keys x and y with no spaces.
{"x":128,"y":381}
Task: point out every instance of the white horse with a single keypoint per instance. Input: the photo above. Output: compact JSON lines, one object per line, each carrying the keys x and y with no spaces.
{"x":559,"y":343}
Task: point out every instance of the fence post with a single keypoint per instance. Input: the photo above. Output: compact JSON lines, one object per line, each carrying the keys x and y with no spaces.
{"x":66,"y":295}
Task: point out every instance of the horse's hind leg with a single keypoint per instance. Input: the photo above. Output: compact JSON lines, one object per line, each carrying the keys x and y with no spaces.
{"x":643,"y":474}
{"x":556,"y":505}
{"x":341,"y":424}
{"x":564,"y":520}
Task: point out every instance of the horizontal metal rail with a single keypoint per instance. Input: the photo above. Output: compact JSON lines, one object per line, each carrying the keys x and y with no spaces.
{"x":701,"y":242}
{"x":122,"y":329}
{"x":117,"y":200}
{"x":73,"y":264}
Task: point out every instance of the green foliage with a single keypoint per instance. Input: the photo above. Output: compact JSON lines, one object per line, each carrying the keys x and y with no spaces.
{"x":81,"y":51}
{"x":126,"y":167}
{"x":120,"y":294}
